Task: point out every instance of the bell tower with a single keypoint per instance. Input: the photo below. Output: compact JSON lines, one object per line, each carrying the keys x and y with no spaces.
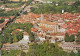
{"x":42,"y":17}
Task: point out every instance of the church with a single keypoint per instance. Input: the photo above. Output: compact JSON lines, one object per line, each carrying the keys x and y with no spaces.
{"x":50,"y":26}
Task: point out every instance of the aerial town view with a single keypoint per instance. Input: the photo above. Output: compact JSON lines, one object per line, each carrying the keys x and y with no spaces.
{"x":39,"y":27}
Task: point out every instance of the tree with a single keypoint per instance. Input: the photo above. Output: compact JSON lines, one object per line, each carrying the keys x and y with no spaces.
{"x":72,"y":38}
{"x":4,"y":1}
{"x":11,"y":53}
{"x":67,"y":38}
{"x":20,"y":0}
{"x":16,"y":35}
{"x":23,"y":53}
{"x":72,"y":54}
{"x":45,"y":49}
{"x":78,"y":38}
{"x":78,"y":52}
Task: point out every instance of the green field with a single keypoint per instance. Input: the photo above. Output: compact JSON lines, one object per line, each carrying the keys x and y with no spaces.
{"x":11,"y":5}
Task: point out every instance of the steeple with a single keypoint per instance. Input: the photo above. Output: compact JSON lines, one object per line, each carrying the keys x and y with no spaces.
{"x":42,"y":17}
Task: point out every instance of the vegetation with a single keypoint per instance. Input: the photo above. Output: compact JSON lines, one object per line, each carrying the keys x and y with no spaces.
{"x":13,"y":5}
{"x":47,"y":49}
{"x":12,"y":35}
{"x":20,"y":1}
{"x":69,"y":38}
{"x":52,"y":8}
{"x":61,"y":0}
{"x":2,"y":20}
{"x":16,"y":36}
{"x":28,"y":2}
{"x":78,"y":38}
{"x":12,"y":53}
{"x":1,"y":3}
{"x":9,"y":13}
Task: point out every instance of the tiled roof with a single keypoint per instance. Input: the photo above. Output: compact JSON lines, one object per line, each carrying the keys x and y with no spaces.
{"x":49,"y":23}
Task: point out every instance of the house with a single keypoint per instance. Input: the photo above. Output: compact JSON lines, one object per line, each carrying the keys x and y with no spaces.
{"x":25,"y":36}
{"x":62,"y":30}
{"x":14,"y":46}
{"x":62,"y":11}
{"x":71,"y":3}
{"x":53,"y":39}
{"x":70,"y":46}
{"x":56,"y":4}
{"x":19,"y":29}
{"x":60,"y":37}
{"x":1,"y":28}
{"x":34,"y":30}
{"x":41,"y":38}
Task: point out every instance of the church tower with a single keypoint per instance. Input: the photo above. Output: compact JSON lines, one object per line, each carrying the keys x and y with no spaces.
{"x":42,"y":17}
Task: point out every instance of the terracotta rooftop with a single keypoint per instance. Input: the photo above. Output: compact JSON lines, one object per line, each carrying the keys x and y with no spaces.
{"x":25,"y":33}
{"x":49,"y":23}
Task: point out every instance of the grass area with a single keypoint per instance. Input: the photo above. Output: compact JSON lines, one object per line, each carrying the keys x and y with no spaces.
{"x":9,"y":13}
{"x":52,"y":8}
{"x":13,"y":5}
{"x":1,"y":3}
{"x":10,"y":5}
{"x":2,"y":20}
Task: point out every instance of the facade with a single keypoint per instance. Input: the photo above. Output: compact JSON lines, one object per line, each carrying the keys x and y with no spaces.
{"x":60,"y":38}
{"x":70,"y":46}
{"x":41,"y":39}
{"x":26,"y":36}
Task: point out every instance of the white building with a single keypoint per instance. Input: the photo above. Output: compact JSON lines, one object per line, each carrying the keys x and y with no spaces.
{"x":62,"y":11}
{"x":1,"y":28}
{"x":62,"y":30}
{"x":26,"y":36}
{"x":70,"y":46}
{"x":60,"y":38}
{"x":41,"y":39}
{"x":57,"y":4}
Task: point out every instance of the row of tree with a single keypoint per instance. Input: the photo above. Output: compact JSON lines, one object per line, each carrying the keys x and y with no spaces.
{"x":70,"y":38}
